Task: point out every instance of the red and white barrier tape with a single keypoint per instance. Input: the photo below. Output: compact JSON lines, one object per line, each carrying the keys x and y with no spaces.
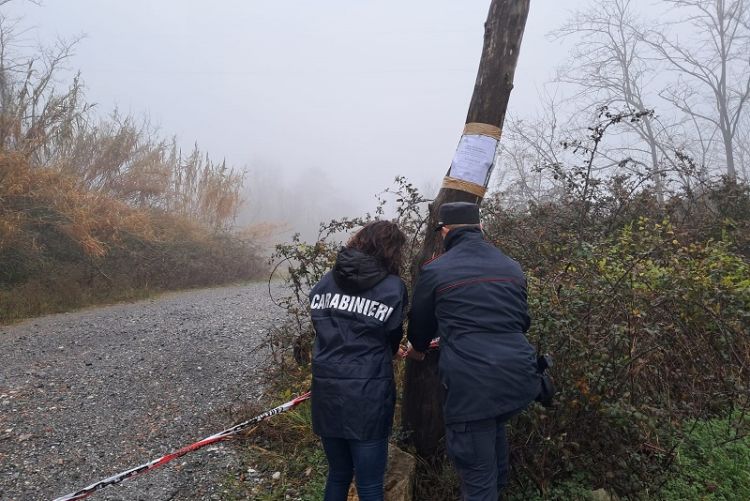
{"x":120,"y":477}
{"x":222,"y":435}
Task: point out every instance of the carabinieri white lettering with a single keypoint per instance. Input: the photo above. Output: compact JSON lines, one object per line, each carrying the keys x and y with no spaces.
{"x":356,"y":304}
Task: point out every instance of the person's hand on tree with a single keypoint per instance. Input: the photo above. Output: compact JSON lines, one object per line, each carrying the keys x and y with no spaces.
{"x":414,"y":354}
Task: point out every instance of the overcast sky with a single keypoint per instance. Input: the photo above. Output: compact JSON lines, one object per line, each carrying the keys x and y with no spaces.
{"x":362,"y":90}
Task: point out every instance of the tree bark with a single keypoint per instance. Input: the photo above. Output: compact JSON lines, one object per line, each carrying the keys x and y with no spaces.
{"x":422,"y":416}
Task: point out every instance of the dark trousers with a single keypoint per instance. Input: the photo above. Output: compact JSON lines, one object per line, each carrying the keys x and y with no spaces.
{"x":479,"y":452}
{"x":363,"y":459}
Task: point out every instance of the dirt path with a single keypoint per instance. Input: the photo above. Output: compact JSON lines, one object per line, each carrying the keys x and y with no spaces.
{"x":87,"y":394}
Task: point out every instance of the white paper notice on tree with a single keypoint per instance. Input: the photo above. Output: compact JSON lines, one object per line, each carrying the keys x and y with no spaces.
{"x":474,"y":158}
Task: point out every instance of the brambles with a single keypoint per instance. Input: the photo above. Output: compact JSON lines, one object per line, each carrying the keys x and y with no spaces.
{"x":644,"y":303}
{"x":305,"y":264}
{"x":647,"y":331}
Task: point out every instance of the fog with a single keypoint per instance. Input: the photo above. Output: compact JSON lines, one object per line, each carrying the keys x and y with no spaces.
{"x":322,"y":103}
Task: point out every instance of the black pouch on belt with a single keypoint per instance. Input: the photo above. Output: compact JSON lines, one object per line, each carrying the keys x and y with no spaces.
{"x":547,"y":392}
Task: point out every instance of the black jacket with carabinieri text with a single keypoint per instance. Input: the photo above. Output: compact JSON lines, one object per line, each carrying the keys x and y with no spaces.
{"x":474,"y":298}
{"x":357,"y":311}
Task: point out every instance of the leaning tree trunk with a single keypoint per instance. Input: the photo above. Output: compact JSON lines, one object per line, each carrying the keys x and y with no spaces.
{"x":466,"y":181}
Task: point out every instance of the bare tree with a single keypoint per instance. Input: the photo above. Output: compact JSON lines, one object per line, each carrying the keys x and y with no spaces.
{"x":35,"y":2}
{"x":609,"y":66}
{"x":712,"y":66}
{"x":743,"y":147}
{"x":529,"y":148}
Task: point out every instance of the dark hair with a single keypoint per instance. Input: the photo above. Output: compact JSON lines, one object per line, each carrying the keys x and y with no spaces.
{"x":383,"y":240}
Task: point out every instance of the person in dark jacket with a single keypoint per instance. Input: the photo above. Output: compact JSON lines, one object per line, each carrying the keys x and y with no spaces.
{"x":474,"y":298}
{"x":357,"y":311}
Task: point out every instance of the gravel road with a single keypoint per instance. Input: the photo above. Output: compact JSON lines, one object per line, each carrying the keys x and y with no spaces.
{"x":85,"y":395}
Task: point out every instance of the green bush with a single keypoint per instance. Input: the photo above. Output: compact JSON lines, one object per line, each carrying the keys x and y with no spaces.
{"x":713,"y":462}
{"x":577,"y":488}
{"x":647,"y":323}
{"x":645,"y":309}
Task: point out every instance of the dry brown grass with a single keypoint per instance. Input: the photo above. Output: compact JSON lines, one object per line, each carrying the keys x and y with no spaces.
{"x":101,"y":209}
{"x":63,"y":246}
